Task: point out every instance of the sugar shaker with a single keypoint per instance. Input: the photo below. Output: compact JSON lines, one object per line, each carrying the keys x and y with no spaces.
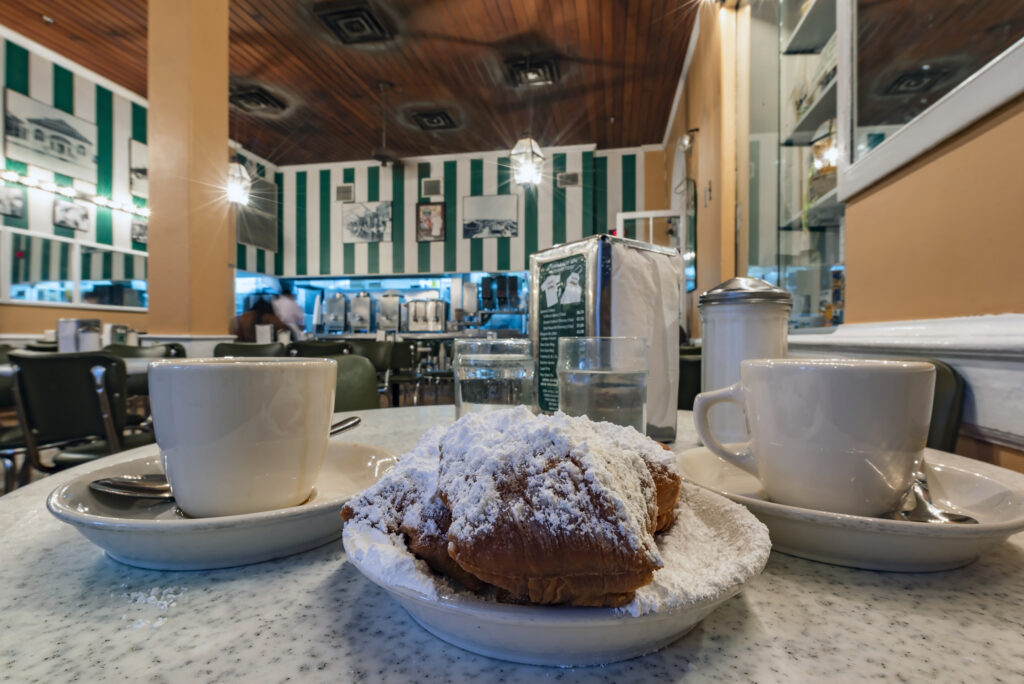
{"x":743,"y":318}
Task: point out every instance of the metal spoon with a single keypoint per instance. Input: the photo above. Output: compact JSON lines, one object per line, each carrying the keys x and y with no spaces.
{"x":917,"y":506}
{"x":155,"y":485}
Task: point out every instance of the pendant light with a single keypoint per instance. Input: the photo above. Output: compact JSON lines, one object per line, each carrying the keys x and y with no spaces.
{"x":239,"y":183}
{"x":527,"y":162}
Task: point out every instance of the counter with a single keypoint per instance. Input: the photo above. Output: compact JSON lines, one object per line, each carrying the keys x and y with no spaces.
{"x":69,"y":613}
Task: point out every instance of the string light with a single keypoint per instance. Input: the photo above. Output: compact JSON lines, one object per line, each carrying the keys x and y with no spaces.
{"x":73,"y":194}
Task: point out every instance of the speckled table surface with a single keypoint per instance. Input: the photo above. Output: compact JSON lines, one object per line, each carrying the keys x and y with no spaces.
{"x":69,"y":613}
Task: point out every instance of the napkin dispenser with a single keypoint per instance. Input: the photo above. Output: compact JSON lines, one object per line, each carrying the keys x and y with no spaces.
{"x":605,"y":286}
{"x":78,"y":335}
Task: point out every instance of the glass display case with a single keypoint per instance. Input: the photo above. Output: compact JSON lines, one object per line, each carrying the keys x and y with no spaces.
{"x":810,"y":217}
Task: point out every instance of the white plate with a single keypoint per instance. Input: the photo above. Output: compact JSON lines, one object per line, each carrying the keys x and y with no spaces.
{"x":566,"y":636}
{"x":158,"y":536}
{"x":992,"y":495}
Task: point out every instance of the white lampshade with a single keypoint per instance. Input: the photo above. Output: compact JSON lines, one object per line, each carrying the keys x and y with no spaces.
{"x":527,"y":162}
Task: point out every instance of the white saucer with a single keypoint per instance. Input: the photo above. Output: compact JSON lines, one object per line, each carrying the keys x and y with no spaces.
{"x":158,"y":536}
{"x":725,"y":547}
{"x":992,"y":495}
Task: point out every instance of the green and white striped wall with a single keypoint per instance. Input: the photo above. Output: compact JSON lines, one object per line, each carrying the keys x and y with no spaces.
{"x":118,"y":116}
{"x":309,"y":224}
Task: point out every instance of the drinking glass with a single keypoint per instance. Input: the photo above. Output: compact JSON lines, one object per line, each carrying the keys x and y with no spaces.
{"x":604,"y":378}
{"x":492,"y":374}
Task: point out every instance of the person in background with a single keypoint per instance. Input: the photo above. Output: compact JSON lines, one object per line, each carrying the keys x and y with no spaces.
{"x":288,"y":310}
{"x":261,"y":313}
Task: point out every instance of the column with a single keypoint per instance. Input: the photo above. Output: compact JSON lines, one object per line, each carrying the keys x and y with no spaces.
{"x":191,"y":228}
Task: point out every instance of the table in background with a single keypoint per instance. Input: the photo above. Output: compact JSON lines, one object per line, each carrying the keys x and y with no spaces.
{"x":67,"y":612}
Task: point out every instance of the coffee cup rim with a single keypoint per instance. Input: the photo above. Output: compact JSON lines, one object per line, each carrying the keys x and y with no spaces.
{"x":840,"y":364}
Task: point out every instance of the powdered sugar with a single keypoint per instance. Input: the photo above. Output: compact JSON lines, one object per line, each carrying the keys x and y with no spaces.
{"x":564,"y":469}
{"x":713,"y":546}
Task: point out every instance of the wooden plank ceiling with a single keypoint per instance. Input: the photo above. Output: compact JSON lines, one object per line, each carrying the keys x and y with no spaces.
{"x":619,"y":63}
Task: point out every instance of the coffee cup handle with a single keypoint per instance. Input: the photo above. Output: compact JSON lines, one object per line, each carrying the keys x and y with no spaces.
{"x":732,"y":394}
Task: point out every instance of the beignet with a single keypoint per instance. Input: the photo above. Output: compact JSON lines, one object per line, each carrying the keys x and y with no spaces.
{"x":552,"y":509}
{"x":405,"y":501}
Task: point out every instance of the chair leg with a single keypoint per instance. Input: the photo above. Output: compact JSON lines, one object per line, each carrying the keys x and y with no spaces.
{"x":9,"y":473}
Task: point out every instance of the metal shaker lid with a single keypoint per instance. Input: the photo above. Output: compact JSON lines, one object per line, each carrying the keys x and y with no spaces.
{"x":744,"y":290}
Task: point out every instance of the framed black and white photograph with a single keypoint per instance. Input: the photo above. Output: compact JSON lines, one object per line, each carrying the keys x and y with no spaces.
{"x":71,"y":215}
{"x":140,"y":231}
{"x":490,"y":216}
{"x":12,"y":202}
{"x":430,"y":222}
{"x":138,"y":168}
{"x":366,"y":222}
{"x":44,"y":136}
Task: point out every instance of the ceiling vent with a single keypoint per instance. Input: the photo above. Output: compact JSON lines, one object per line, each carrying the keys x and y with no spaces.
{"x":353,"y":23}
{"x":532,"y":71}
{"x":345,"y":193}
{"x":916,"y":82}
{"x":567,"y":180}
{"x":434,"y":121}
{"x":431,"y":187}
{"x":254,"y":99}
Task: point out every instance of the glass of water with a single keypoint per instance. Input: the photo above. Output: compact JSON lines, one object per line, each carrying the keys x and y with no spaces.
{"x":492,"y":374}
{"x":604,"y":378}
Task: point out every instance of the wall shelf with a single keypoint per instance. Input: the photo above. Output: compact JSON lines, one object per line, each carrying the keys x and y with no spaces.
{"x":824,"y":211}
{"x":823,"y":109}
{"x":813,"y":30}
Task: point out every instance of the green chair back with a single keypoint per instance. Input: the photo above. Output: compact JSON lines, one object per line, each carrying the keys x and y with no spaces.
{"x":176,"y":349}
{"x":689,"y":380}
{"x":379,"y":353}
{"x":4,"y":351}
{"x":403,"y":356}
{"x":947,"y":407}
{"x":319,"y":348}
{"x":127,"y":351}
{"x":59,"y":393}
{"x":357,"y":384}
{"x":248,"y":349}
{"x":41,"y":346}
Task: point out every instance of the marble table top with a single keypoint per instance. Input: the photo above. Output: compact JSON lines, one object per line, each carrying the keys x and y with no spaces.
{"x":67,"y":612}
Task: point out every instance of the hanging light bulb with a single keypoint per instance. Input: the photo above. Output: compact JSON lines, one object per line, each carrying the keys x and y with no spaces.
{"x":527,"y":162}
{"x":239,"y":183}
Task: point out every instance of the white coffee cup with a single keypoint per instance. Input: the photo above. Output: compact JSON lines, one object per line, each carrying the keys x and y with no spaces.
{"x":241,"y":435}
{"x":839,"y":435}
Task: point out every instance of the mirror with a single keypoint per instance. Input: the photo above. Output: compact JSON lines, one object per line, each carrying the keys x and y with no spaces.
{"x":909,"y":54}
{"x":40,"y":269}
{"x":912,"y":74}
{"x":112,"y":278}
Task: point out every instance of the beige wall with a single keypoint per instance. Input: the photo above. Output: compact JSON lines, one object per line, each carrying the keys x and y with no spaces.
{"x":33,"y":320}
{"x":944,"y":236}
{"x":707,"y":103}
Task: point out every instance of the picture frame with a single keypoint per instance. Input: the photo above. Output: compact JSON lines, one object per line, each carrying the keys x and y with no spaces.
{"x":430,"y":222}
{"x":138,"y":168}
{"x":490,"y":216}
{"x":13,"y":201}
{"x":140,"y":231}
{"x":36,"y":133}
{"x":74,"y":215}
{"x":366,"y":222}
